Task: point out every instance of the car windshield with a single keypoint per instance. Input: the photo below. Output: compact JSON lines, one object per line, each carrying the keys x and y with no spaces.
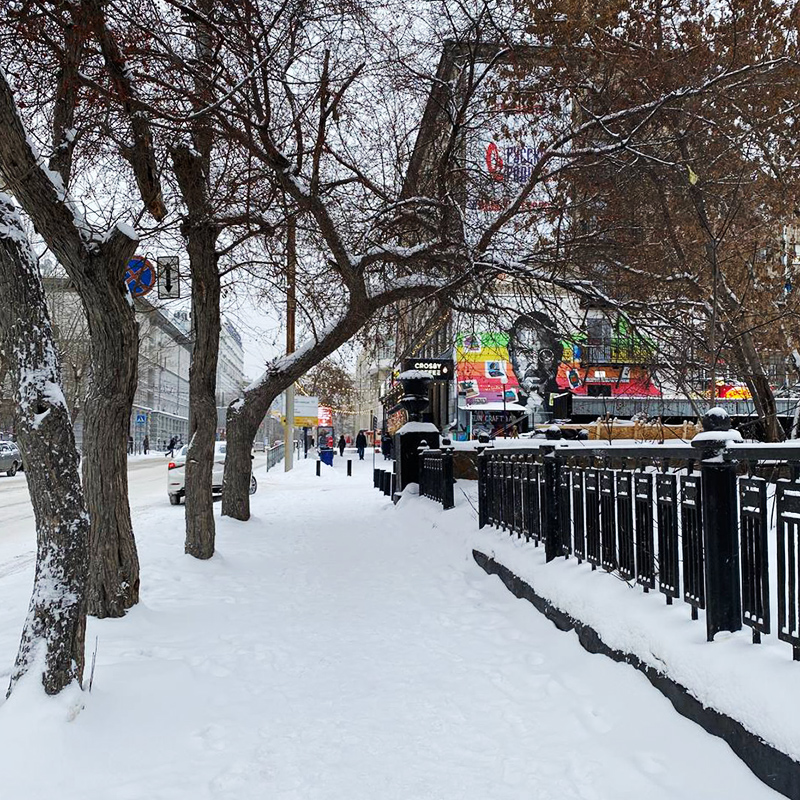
{"x":221,"y":448}
{"x":183,"y":450}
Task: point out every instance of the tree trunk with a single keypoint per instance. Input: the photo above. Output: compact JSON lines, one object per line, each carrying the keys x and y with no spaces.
{"x":242,"y":421}
{"x":245,"y":414}
{"x":200,"y":531}
{"x":192,"y":169}
{"x":757,"y":382}
{"x":54,"y":632}
{"x":114,"y":336}
{"x":96,"y":265}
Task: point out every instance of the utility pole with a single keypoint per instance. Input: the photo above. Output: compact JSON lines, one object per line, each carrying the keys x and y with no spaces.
{"x":291,"y":307}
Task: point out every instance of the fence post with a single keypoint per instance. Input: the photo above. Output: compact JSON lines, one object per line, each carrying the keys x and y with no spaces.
{"x":422,"y":447}
{"x":552,"y":542}
{"x":319,"y":463}
{"x":448,"y":499}
{"x":349,"y":467}
{"x":720,"y":525}
{"x":483,"y":516}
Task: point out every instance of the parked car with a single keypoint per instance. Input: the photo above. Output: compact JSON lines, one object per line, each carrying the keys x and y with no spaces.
{"x":176,"y":473}
{"x":10,"y":458}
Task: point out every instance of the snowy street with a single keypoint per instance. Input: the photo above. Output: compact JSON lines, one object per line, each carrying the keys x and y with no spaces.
{"x":335,"y":647}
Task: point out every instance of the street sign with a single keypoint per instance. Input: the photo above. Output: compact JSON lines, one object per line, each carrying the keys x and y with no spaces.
{"x":141,"y":419}
{"x":169,"y":285}
{"x":140,"y":276}
{"x":305,"y":412}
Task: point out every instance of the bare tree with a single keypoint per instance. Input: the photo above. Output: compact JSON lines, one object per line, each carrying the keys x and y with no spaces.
{"x":94,"y":256}
{"x":53,"y":636}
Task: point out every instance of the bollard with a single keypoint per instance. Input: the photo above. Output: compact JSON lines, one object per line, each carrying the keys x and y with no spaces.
{"x":349,"y":467}
{"x":319,"y":464}
{"x":720,"y":525}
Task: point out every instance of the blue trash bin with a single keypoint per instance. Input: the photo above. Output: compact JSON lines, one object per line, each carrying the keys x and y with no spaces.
{"x":326,"y":456}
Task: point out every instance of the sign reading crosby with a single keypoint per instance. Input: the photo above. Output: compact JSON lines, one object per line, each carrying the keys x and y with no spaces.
{"x":440,"y":369}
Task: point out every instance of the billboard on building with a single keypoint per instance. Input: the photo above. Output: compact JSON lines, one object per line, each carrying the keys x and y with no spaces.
{"x":517,"y":117}
{"x":482,"y":364}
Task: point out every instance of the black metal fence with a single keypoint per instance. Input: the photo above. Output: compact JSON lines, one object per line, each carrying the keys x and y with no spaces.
{"x":692,"y":522}
{"x":436,"y":476}
{"x":274,"y":455}
{"x":384,"y":479}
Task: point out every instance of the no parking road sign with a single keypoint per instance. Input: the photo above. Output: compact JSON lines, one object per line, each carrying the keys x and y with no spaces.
{"x":140,"y":276}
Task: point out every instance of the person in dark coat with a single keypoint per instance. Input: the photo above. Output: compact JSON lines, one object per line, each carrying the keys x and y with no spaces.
{"x":146,"y":444}
{"x":171,"y":446}
{"x":386,"y":446}
{"x":361,"y":445}
{"x":342,"y":444}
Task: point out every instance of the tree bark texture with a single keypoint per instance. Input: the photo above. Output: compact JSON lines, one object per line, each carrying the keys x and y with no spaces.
{"x":192,"y":169}
{"x":200,"y":232}
{"x":200,"y":532}
{"x":54,"y":632}
{"x":96,"y":265}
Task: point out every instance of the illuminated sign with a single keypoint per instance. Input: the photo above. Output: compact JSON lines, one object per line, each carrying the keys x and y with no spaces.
{"x":440,"y":369}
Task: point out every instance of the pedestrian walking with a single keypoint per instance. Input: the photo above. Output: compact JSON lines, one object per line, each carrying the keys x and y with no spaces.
{"x":146,"y":444}
{"x":361,"y":445}
{"x":130,"y":445}
{"x":171,"y":447}
{"x":342,"y":445}
{"x":386,"y":446}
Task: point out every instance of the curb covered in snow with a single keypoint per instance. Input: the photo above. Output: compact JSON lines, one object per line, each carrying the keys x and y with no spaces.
{"x":776,"y":769}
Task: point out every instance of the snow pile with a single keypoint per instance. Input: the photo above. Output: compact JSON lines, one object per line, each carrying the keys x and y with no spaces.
{"x":753,"y":684}
{"x":338,"y":646}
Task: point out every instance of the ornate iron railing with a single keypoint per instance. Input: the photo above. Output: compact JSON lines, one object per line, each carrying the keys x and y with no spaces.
{"x":693,"y":521}
{"x":436,"y":479}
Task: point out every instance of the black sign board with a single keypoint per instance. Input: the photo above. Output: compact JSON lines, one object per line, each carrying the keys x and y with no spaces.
{"x":440,"y":369}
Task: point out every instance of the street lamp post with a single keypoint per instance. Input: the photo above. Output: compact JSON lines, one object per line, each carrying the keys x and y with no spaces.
{"x":503,"y":382}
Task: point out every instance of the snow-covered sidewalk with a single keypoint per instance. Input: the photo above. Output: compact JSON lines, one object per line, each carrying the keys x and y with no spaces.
{"x":340,"y":647}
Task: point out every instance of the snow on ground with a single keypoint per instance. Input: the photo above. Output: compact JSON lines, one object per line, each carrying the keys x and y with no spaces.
{"x":338,"y":647}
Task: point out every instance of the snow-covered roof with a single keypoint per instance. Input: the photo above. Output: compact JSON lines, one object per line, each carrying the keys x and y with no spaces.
{"x":414,"y":374}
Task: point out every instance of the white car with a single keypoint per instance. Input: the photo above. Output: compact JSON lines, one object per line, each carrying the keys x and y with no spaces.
{"x":176,"y":473}
{"x":10,"y":458}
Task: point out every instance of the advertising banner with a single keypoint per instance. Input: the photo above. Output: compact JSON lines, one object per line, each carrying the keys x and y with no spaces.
{"x":481,"y":363}
{"x":324,"y":416}
{"x":306,"y":411}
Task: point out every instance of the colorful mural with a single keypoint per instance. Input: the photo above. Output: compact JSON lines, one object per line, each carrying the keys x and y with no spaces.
{"x":578,"y":365}
{"x":481,"y":363}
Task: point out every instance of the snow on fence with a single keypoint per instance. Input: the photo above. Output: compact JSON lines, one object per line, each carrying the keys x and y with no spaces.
{"x":275,"y":455}
{"x":716,"y":524}
{"x":436,"y":476}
